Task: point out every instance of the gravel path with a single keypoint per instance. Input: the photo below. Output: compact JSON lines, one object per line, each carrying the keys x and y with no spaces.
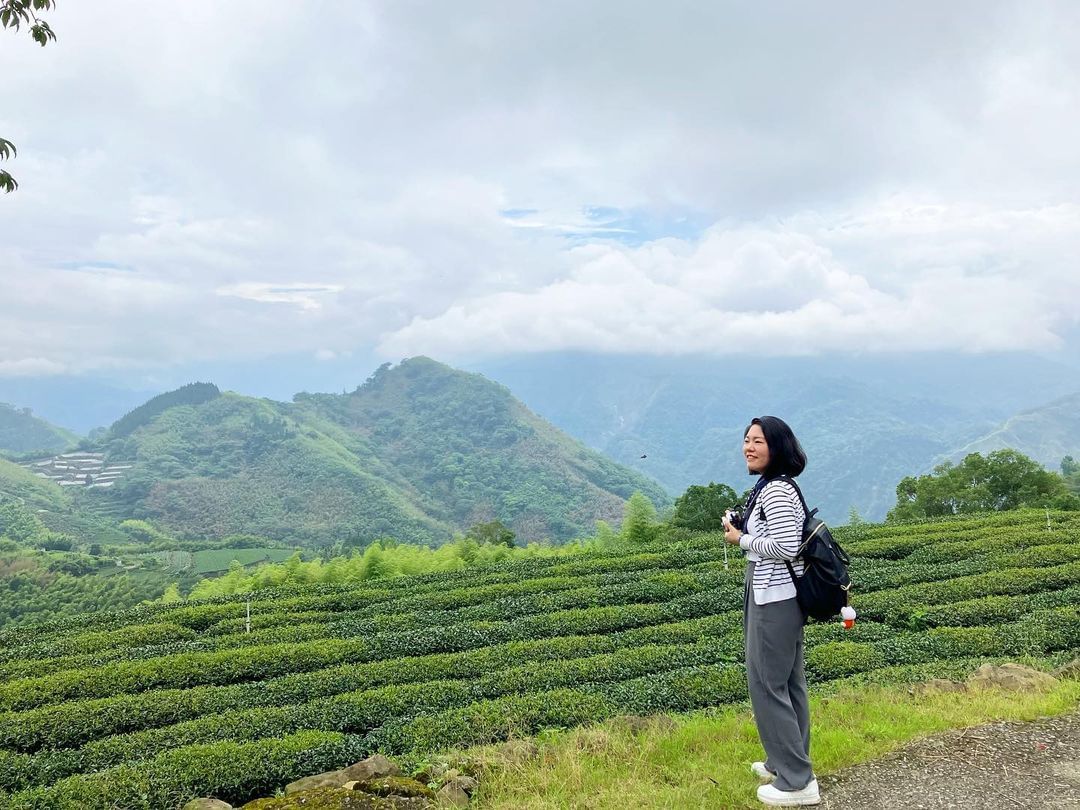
{"x":1002,"y":765}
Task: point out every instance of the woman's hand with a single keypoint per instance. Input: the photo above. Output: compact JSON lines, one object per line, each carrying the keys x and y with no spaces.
{"x":731,"y":534}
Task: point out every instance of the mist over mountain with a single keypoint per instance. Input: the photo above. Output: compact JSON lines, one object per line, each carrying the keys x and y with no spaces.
{"x":1046,"y":434}
{"x":865,"y":422}
{"x":79,"y":404}
{"x":21,"y":432}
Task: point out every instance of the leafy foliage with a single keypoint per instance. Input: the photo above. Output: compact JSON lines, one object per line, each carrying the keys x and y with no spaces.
{"x":14,"y":14}
{"x":494,"y":532}
{"x":702,"y":508}
{"x":1001,"y":480}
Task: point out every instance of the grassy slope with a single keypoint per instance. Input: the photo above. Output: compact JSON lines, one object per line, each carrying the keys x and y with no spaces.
{"x":704,"y":761}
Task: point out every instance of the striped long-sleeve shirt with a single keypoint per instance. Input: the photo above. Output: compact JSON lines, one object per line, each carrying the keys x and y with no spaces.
{"x":770,"y":541}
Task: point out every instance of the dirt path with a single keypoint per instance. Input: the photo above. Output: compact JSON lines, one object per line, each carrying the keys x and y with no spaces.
{"x":1002,"y":765}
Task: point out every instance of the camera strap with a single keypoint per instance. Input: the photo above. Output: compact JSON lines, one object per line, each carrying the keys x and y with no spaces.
{"x":751,"y":499}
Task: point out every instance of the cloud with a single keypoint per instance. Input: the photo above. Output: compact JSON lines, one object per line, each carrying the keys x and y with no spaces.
{"x":894,"y":278}
{"x":510,"y":177}
{"x":304,"y":295}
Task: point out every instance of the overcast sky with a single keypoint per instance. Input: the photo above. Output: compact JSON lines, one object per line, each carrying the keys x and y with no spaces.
{"x":211,"y":182}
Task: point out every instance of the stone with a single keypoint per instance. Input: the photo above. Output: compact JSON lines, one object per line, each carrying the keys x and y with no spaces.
{"x":1011,"y":676}
{"x":396,"y":786}
{"x":453,"y":794}
{"x":207,"y":804}
{"x":326,"y":798}
{"x":329,"y":779}
{"x":338,"y":799}
{"x":374,"y":767}
{"x":466,"y":783}
{"x":432,"y":772}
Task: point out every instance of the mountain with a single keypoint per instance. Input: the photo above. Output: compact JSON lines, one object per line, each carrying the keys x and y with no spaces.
{"x":1046,"y":434}
{"x":415,"y":453}
{"x":80,"y":404}
{"x":22,"y":432}
{"x":866,"y":422}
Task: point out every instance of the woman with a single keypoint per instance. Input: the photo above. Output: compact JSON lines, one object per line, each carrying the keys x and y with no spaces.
{"x":773,"y":622}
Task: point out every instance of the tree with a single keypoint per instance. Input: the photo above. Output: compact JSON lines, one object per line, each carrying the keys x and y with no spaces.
{"x":1070,"y":470}
{"x":1003,"y":479}
{"x":172,"y":594}
{"x":702,"y":508}
{"x":14,"y":14}
{"x":639,"y":523}
{"x":494,"y":533}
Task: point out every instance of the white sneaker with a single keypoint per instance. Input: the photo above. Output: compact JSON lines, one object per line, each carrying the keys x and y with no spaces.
{"x":770,"y":795}
{"x":761,"y":772}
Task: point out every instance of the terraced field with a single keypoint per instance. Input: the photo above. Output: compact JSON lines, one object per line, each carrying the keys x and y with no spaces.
{"x":149,"y":707}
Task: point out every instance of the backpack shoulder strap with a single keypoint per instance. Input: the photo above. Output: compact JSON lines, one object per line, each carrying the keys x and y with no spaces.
{"x":802,"y":500}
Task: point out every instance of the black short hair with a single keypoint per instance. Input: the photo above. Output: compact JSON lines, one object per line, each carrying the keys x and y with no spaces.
{"x":786,"y":456}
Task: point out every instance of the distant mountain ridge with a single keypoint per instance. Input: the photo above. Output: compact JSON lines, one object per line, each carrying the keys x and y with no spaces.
{"x":22,"y":432}
{"x":1046,"y":434}
{"x":415,"y":453}
{"x":866,"y":423}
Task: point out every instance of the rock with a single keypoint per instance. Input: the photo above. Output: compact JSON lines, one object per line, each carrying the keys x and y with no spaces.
{"x":466,"y":783}
{"x":338,"y":799}
{"x":207,"y":804}
{"x":453,"y":794}
{"x":1070,"y":670}
{"x":327,"y":798}
{"x":374,"y":767}
{"x":432,"y":772}
{"x":1011,"y":676}
{"x":938,"y":686}
{"x":330,"y":779}
{"x":396,"y":786}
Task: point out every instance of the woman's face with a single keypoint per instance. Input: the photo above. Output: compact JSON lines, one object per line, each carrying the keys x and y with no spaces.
{"x":756,"y":450}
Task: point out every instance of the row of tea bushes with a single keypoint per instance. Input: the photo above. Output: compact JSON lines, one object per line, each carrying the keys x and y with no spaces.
{"x":79,"y":722}
{"x":652,"y":589}
{"x":362,"y":711}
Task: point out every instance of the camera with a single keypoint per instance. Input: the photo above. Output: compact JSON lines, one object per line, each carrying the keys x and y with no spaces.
{"x":735,"y":517}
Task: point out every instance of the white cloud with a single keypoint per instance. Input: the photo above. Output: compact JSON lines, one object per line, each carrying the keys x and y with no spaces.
{"x":195,"y":170}
{"x":894,"y":278}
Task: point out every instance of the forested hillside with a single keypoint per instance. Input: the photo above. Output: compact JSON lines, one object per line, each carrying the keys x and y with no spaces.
{"x":1047,"y":433}
{"x":416,"y":453}
{"x":866,"y":422}
{"x":22,"y":432}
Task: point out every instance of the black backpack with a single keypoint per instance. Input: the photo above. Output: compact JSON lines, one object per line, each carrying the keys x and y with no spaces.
{"x":823,"y":588}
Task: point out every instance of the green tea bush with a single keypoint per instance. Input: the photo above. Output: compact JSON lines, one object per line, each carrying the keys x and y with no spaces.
{"x":236,"y":772}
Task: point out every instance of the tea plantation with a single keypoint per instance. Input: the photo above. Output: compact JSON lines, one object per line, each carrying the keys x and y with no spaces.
{"x":149,"y":707}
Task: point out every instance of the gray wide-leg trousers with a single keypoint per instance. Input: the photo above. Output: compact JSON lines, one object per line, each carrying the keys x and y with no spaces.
{"x":777,"y":681}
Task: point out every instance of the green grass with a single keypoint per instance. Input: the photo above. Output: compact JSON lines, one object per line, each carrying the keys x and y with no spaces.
{"x":703,"y":762}
{"x":214,"y":560}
